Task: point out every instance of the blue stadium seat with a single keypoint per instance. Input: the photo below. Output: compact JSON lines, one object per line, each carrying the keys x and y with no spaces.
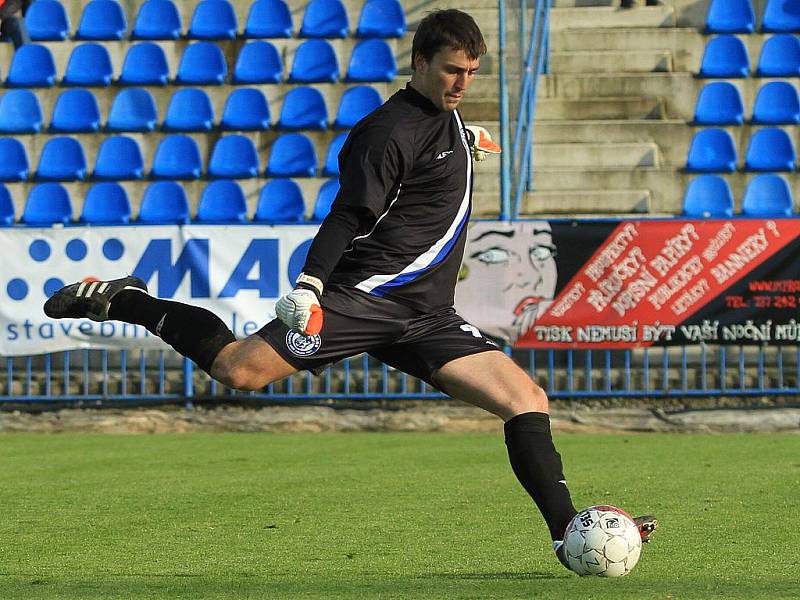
{"x":20,"y":112}
{"x":164,"y":203}
{"x":371,"y":60}
{"x":119,"y":157}
{"x":324,"y":19}
{"x":157,"y":20}
{"x":777,"y":103}
{"x":258,"y":62}
{"x":730,"y":16}
{"x":89,"y":64}
{"x":47,"y":204}
{"x":268,"y":19}
{"x":177,"y":157}
{"x":222,"y":201}
{"x":32,"y":66}
{"x":245,"y":110}
{"x":770,"y":149}
{"x":781,"y":16}
{"x":189,"y":110}
{"x":381,"y":19}
{"x":780,"y":57}
{"x":292,"y":155}
{"x":13,"y":160}
{"x":106,"y":203}
{"x":133,"y":109}
{"x":767,"y":195}
{"x":233,"y":157}
{"x":6,"y":207}
{"x":202,"y":63}
{"x":303,"y":108}
{"x":280,"y":201}
{"x":331,"y":168}
{"x":75,"y":111}
{"x":145,"y":64}
{"x":314,"y":62}
{"x":102,"y":20}
{"x":711,"y":151}
{"x":61,"y":159}
{"x":47,"y":21}
{"x":356,"y":103}
{"x":325,"y":197}
{"x":725,"y":56}
{"x":213,"y":20}
{"x":719,"y":103}
{"x":708,"y":196}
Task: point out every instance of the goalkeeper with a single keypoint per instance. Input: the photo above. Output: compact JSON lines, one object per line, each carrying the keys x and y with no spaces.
{"x":381,"y":272}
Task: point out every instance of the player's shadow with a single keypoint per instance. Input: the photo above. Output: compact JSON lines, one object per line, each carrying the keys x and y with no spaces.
{"x":496,"y":576}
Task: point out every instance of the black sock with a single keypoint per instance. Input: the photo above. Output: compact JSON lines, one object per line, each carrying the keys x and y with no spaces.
{"x":537,"y":465}
{"x":195,"y":332}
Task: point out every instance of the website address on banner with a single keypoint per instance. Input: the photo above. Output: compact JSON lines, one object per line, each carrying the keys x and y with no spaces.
{"x":27,"y":330}
{"x":779,"y":285}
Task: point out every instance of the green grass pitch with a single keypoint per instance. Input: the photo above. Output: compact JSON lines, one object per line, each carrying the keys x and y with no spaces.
{"x":429,"y":516}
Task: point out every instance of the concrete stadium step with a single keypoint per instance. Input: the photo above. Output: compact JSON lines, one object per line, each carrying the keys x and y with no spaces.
{"x":672,"y":136}
{"x":574,"y":109}
{"x":595,"y":202}
{"x":135,"y":189}
{"x":679,"y":90}
{"x":612,"y":16}
{"x":625,"y":107}
{"x":665,"y":185}
{"x":611,"y":61}
{"x":599,"y":155}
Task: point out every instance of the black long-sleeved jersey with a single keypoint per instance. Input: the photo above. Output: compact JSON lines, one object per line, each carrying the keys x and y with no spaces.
{"x":397,"y":226}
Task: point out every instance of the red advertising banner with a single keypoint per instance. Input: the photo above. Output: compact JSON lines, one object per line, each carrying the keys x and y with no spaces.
{"x":634,"y":283}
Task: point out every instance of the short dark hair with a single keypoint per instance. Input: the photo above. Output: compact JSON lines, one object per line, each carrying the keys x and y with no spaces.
{"x":450,"y":28}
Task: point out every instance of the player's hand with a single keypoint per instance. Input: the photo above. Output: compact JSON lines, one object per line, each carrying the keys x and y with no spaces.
{"x":481,"y":142}
{"x":300,"y":309}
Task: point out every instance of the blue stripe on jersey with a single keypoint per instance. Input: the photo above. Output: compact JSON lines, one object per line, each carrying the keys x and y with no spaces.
{"x":408,"y":277}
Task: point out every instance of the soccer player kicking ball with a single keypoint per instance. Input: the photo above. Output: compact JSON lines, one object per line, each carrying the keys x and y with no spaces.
{"x":381,"y":272}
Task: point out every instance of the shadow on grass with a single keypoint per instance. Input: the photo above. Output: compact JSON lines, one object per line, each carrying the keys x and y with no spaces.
{"x":494,"y":576}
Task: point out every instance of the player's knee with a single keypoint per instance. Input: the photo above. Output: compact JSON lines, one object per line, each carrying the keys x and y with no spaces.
{"x":534,"y":399}
{"x":237,"y":377}
{"x":233,"y":372}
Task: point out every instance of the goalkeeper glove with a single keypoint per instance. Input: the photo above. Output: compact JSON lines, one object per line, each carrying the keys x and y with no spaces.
{"x":300,"y":309}
{"x":480,"y":142}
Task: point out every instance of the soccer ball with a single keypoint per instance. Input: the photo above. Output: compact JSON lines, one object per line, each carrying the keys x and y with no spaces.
{"x":602,"y":540}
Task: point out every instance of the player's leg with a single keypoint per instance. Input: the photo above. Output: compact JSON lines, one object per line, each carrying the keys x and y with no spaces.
{"x":492,"y":381}
{"x":193,"y":331}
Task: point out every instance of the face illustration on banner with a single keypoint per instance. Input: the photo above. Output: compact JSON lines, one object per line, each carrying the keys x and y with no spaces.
{"x":508,"y":277}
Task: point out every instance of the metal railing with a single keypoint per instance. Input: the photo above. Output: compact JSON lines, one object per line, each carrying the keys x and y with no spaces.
{"x":516,"y":167}
{"x":99,"y":377}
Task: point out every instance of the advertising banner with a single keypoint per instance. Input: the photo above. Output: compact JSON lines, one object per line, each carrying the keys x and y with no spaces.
{"x":238,"y":272}
{"x":627,"y":284}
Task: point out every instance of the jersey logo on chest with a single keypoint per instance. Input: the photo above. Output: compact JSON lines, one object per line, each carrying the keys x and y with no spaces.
{"x":444,"y":154}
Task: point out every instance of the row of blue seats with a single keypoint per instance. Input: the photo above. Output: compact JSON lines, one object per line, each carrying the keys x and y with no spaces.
{"x":713,"y":150}
{"x":189,"y":109}
{"x":726,"y":56}
{"x":213,"y":20}
{"x":765,"y":196}
{"x":176,"y":157}
{"x":202,"y":63}
{"x":165,"y":202}
{"x":720,"y":103}
{"x":738,"y":16}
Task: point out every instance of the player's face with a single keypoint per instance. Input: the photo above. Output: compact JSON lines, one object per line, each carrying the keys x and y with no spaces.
{"x":444,"y":79}
{"x":508,"y":277}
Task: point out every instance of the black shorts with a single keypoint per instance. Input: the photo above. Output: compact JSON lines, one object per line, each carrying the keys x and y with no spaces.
{"x":355,"y":322}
